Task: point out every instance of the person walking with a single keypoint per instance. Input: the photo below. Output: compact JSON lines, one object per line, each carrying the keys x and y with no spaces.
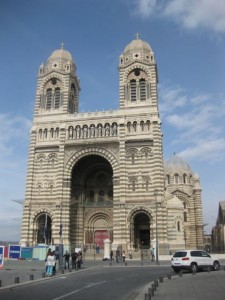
{"x":117,"y":255}
{"x":152,"y":252}
{"x":79,"y":260}
{"x":130,"y":254}
{"x":111,"y":255}
{"x":124,"y":256}
{"x":50,"y":264}
{"x":74,"y":260}
{"x":67,"y":259}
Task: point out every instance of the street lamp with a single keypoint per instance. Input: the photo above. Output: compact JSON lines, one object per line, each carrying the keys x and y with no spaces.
{"x":156,"y":227}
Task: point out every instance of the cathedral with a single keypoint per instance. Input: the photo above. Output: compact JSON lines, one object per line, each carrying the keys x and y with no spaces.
{"x":100,"y":175}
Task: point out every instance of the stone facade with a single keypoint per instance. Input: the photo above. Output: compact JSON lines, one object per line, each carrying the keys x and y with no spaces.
{"x":98,"y":175}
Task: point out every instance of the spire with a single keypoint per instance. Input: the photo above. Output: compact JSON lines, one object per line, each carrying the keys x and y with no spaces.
{"x":137,"y":36}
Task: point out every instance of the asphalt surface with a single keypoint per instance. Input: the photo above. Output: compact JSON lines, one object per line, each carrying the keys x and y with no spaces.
{"x":202,"y":285}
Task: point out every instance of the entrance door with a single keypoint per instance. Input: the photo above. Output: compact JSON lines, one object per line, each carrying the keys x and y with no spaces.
{"x":100,"y":236}
{"x":145,"y":238}
{"x":141,"y":231}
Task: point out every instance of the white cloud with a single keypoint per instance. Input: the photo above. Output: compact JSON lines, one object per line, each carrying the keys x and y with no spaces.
{"x":15,"y":129}
{"x":196,"y":122}
{"x":206,"y":150}
{"x":145,"y":7}
{"x":190,"y":14}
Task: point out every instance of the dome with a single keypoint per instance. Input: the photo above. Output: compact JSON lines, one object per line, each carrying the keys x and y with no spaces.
{"x":60,"y":60}
{"x":137,"y":45}
{"x":60,"y":54}
{"x":177,"y":164}
{"x":175,"y":202}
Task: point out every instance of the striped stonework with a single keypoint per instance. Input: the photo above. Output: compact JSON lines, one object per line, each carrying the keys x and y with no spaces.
{"x":98,"y":175}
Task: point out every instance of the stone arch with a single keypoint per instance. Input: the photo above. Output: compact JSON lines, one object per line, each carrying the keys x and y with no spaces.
{"x":139,"y":66}
{"x":42,"y":221}
{"x":94,"y":215}
{"x":140,"y":219}
{"x":48,"y":78}
{"x":98,"y":227}
{"x":91,"y":151}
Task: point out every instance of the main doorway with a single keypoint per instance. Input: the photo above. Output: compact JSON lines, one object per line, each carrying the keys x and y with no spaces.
{"x":141,"y":231}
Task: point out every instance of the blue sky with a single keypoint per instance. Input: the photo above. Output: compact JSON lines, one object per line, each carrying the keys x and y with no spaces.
{"x":188,"y":39}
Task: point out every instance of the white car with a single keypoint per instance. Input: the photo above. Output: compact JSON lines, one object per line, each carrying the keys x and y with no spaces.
{"x":193,"y":260}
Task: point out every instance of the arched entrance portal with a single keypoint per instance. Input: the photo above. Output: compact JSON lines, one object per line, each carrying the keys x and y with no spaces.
{"x":141,"y":227}
{"x":43,"y":232}
{"x":91,"y":195}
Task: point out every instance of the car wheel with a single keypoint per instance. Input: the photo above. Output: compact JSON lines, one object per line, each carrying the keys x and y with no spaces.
{"x":216,"y":266}
{"x":194,"y":268}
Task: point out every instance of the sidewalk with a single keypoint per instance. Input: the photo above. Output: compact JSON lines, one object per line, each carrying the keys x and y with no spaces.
{"x":203,"y":285}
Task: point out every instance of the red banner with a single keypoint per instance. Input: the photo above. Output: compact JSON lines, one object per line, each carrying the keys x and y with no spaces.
{"x":100,"y":236}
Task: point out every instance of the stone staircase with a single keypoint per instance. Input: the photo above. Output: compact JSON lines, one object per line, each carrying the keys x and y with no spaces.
{"x":139,"y":254}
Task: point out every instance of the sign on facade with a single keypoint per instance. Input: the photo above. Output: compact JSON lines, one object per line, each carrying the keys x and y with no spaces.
{"x":14,"y":251}
{"x":1,"y":256}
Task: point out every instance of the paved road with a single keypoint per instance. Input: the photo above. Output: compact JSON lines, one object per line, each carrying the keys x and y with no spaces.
{"x":101,"y":281}
{"x":203,"y":285}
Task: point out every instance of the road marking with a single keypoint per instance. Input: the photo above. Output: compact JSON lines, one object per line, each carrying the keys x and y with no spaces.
{"x":76,"y":291}
{"x":118,"y":278}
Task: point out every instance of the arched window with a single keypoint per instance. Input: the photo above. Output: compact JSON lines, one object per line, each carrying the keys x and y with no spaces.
{"x":184,"y":178}
{"x":178,"y":225}
{"x":44,"y":230}
{"x":142,"y":84}
{"x":135,"y":126}
{"x":142,"y":124}
{"x":176,"y":178}
{"x":92,"y":195}
{"x":52,"y":133}
{"x":133,"y":90}
{"x":40,"y":134}
{"x":57,"y":132}
{"x":167,"y":179}
{"x":70,"y":132}
{"x":101,"y":196}
{"x":57,"y":97}
{"x":49,"y":99}
{"x":45,"y":133}
{"x":128,"y":126}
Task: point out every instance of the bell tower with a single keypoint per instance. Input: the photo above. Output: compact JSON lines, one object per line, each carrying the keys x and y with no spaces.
{"x":58,"y":85}
{"x":137,"y":75}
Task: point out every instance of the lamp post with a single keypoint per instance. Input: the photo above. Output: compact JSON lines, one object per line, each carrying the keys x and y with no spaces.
{"x":156,"y":227}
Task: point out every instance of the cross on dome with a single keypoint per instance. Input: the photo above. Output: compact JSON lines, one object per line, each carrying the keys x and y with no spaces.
{"x":137,"y":36}
{"x":62,"y":46}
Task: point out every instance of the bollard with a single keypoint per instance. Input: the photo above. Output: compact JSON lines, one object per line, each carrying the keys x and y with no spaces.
{"x":156,"y":283}
{"x":110,"y":263}
{"x":224,"y":268}
{"x":160,"y":279}
{"x":180,"y":273}
{"x":43,"y":275}
{"x":194,"y":271}
{"x":208,"y":269}
{"x":169,"y":276}
{"x":153,"y":287}
{"x":151,"y":291}
{"x":31,"y":276}
{"x":0,"y":283}
{"x":17,"y":279}
{"x":62,"y":271}
{"x":147,"y":297}
{"x":125,"y":264}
